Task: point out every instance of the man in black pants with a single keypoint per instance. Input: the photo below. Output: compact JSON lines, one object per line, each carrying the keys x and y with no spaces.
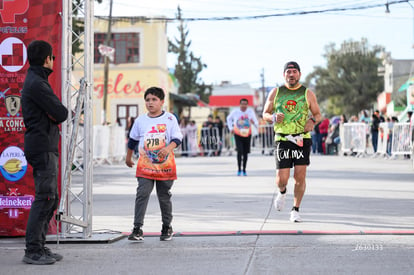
{"x":239,"y":122}
{"x":42,"y":113}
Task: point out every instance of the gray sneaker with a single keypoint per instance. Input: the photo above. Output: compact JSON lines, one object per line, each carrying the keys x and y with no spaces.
{"x":39,"y":258}
{"x":54,"y":255}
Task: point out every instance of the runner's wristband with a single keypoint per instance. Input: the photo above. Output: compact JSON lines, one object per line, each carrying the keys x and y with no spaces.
{"x":313,"y":119}
{"x":274,"y":117}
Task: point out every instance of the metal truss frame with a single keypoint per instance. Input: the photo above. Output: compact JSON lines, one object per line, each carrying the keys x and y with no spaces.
{"x":75,"y":209}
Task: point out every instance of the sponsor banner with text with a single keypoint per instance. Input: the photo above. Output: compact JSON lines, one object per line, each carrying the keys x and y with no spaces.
{"x":21,"y":21}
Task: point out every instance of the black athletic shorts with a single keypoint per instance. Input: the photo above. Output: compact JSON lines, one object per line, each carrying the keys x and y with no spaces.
{"x":288,"y":154}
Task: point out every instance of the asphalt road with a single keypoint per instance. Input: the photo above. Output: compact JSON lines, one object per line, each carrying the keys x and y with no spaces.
{"x":358,"y":218}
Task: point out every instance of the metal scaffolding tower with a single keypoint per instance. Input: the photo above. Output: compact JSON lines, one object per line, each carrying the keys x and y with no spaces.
{"x":75,"y":209}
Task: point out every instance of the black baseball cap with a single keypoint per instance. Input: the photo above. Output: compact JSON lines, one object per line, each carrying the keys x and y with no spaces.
{"x":291,"y":65}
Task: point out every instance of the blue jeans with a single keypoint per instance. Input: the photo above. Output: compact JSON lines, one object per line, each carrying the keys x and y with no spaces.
{"x":314,"y":143}
{"x":374,"y":137}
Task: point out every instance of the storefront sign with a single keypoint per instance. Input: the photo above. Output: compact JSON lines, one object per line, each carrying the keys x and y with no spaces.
{"x":119,"y":86}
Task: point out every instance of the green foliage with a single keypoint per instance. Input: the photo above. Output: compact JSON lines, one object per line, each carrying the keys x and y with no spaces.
{"x":188,"y":66}
{"x":350,"y":82}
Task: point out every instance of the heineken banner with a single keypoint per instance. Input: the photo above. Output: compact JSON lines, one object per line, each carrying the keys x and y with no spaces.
{"x":21,"y":21}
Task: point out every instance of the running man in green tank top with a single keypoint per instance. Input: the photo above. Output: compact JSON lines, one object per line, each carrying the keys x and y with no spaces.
{"x":294,"y":111}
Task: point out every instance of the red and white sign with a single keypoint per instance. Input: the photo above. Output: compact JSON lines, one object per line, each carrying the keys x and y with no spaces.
{"x":21,"y":21}
{"x":107,"y":51}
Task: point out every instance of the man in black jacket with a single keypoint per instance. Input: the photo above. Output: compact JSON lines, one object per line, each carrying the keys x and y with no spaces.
{"x":42,"y":113}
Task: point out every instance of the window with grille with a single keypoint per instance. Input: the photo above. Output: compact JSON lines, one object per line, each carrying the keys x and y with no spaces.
{"x":124,"y":112}
{"x":126,"y":46}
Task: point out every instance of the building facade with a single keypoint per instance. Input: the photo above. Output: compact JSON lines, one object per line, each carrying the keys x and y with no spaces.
{"x":396,"y":72}
{"x":139,"y":62}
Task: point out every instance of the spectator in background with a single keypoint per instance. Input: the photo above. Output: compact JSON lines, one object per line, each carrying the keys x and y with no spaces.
{"x":191,"y":131}
{"x":391,"y":122}
{"x":118,"y":122}
{"x":374,"y":129}
{"x":206,"y":136}
{"x":219,"y":139}
{"x":409,"y":119}
{"x":364,"y":117}
{"x":343,"y":120}
{"x":331,"y":146}
{"x":353,"y":119}
{"x":184,"y":144}
{"x":316,"y":136}
{"x":323,"y":130}
{"x":130,"y":123}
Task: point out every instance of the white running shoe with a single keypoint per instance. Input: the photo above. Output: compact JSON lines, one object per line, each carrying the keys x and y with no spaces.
{"x":279,"y":202}
{"x":294,"y":216}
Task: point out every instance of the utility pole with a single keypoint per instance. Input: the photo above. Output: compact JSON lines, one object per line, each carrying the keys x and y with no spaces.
{"x":106,"y":67}
{"x":263,"y":88}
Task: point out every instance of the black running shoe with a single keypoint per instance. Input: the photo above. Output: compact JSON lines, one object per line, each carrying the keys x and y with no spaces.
{"x":166,"y":233}
{"x":136,"y":235}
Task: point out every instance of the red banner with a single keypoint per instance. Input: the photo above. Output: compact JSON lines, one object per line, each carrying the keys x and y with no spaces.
{"x":22,"y":21}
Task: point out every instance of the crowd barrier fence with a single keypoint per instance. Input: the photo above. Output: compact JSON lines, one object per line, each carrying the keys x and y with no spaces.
{"x":212,"y":141}
{"x":354,"y":138}
{"x":401,"y":140}
{"x":109,"y":142}
{"x":391,"y":142}
{"x":384,"y":140}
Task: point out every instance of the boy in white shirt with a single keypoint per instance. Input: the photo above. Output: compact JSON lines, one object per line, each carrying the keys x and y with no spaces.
{"x":157,"y":134}
{"x":239,"y":122}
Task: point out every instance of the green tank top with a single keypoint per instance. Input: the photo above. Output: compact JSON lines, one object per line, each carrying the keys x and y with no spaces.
{"x":294,"y":105}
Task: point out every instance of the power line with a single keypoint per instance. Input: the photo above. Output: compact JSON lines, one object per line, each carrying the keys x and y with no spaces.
{"x":263,"y":16}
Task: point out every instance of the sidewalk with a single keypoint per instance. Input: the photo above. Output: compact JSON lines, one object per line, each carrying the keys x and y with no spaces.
{"x":357,"y":219}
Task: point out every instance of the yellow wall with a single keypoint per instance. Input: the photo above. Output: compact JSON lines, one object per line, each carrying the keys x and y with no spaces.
{"x":128,"y":82}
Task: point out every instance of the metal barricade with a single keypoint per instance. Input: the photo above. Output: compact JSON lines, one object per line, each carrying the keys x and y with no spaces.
{"x":190,"y":142}
{"x":100,"y":144}
{"x":229,"y":145}
{"x":210,"y":141}
{"x":353,"y":138}
{"x":117,"y":150}
{"x":401,"y":139}
{"x":383,"y":146}
{"x":264,"y":141}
